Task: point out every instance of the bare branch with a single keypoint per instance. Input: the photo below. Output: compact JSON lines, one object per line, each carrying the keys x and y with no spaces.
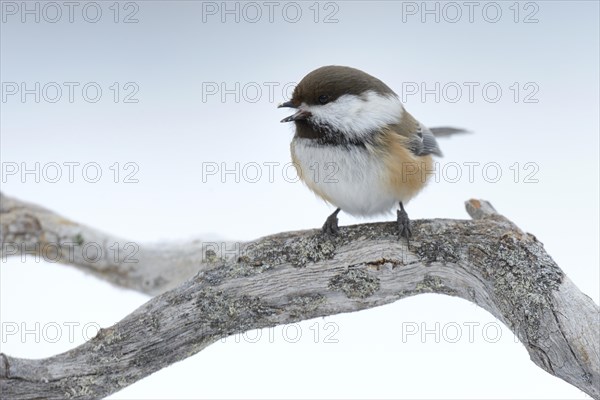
{"x":295,"y":276}
{"x":29,"y":230}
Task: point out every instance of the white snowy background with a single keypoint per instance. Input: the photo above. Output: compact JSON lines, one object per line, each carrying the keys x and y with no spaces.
{"x":543,"y":124}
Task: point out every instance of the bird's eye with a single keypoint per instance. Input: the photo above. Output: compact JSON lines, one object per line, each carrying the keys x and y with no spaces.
{"x":323,"y":99}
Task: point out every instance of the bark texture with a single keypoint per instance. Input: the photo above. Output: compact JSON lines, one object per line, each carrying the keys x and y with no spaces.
{"x":289,"y":277}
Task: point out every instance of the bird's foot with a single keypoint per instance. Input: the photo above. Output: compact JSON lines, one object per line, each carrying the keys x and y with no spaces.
{"x":403,"y":224}
{"x":331,"y":224}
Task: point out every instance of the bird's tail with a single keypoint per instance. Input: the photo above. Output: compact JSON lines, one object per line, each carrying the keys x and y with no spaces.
{"x":443,"y":131}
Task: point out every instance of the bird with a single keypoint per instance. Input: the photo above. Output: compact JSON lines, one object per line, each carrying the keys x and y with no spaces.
{"x":356,"y":147}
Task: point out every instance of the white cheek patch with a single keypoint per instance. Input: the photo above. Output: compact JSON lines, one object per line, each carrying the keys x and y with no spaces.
{"x":358,"y":116}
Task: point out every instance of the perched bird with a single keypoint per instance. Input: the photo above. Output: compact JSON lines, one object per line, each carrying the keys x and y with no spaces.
{"x":372,"y":154}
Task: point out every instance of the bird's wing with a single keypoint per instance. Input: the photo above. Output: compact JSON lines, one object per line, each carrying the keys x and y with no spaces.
{"x":419,"y":139}
{"x":443,"y":131}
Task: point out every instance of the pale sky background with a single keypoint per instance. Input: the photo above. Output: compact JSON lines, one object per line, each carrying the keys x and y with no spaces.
{"x":544,"y":123}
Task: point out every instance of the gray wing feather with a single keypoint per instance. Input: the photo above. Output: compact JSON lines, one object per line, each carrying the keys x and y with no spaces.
{"x":430,"y":145}
{"x":441,"y":131}
{"x":423,"y":142}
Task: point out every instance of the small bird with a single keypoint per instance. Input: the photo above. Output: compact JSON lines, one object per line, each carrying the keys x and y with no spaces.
{"x":356,"y":147}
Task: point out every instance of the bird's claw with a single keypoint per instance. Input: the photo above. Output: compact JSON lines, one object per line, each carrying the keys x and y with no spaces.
{"x":403,"y":225}
{"x":331,"y":225}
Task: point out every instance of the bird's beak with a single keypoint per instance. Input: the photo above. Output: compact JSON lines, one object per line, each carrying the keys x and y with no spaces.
{"x":299,"y":115}
{"x":287,"y":104}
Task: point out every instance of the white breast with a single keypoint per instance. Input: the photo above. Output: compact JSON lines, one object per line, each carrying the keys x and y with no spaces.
{"x":349,"y":178}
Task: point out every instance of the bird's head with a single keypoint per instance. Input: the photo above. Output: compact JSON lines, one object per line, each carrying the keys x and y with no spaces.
{"x":342,"y":102}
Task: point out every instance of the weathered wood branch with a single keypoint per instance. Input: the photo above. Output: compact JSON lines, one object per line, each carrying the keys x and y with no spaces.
{"x":29,"y":231}
{"x":295,"y":276}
